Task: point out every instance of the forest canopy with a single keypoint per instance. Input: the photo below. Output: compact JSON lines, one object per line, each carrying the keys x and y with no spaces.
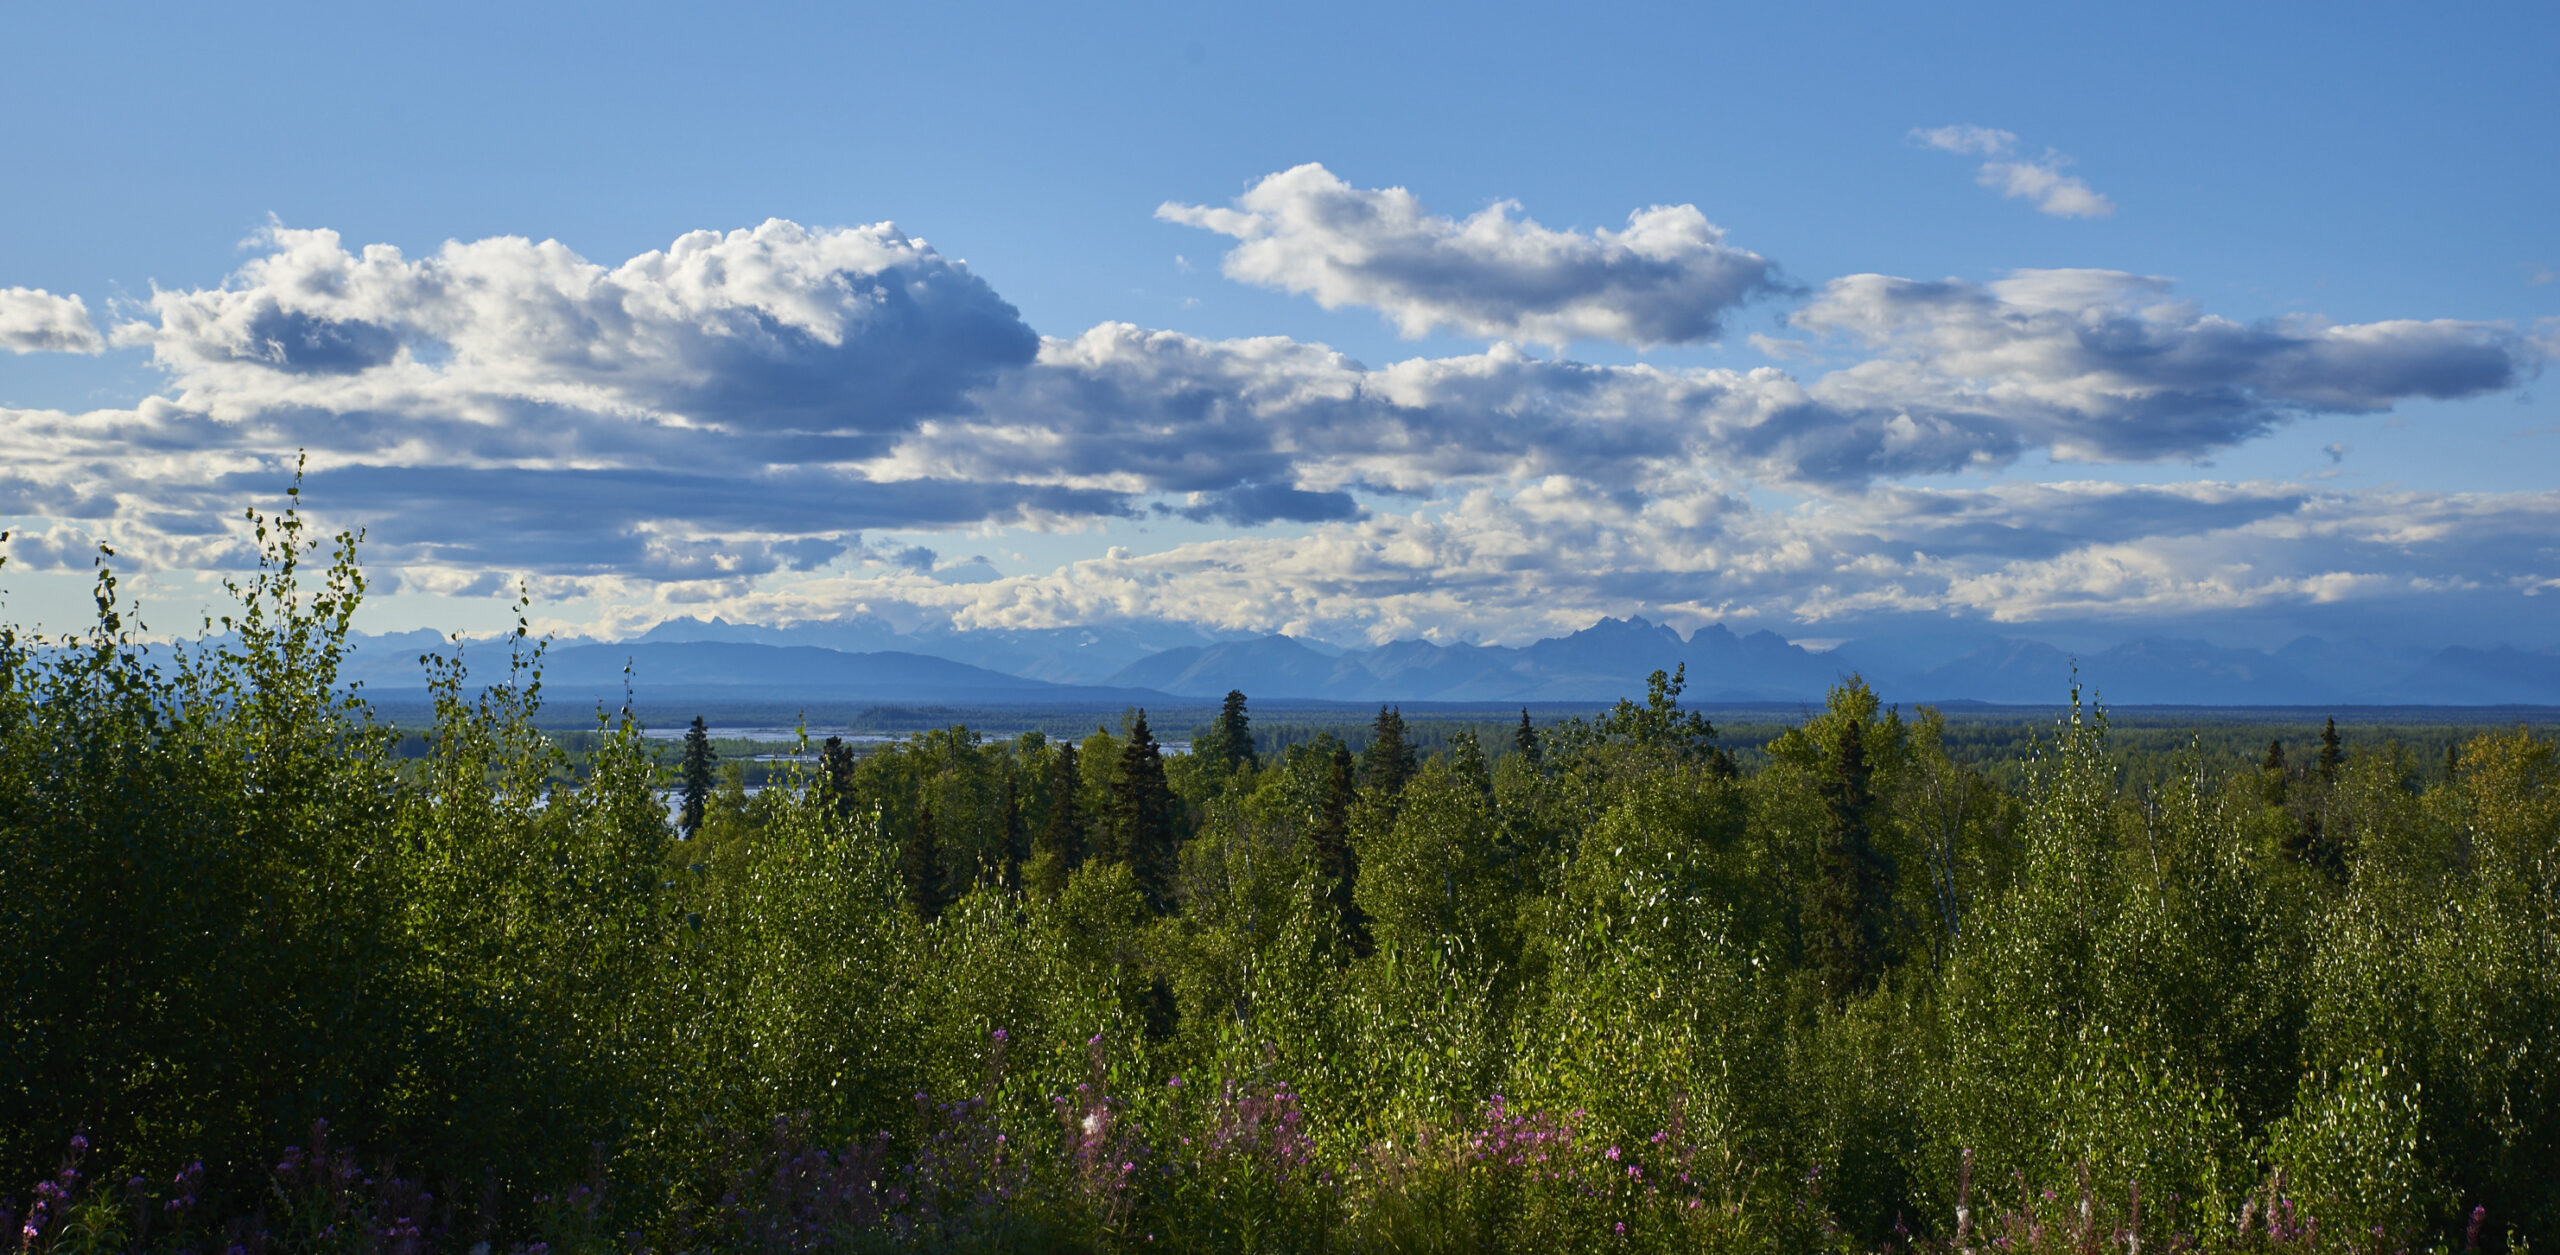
{"x":1598,"y":983}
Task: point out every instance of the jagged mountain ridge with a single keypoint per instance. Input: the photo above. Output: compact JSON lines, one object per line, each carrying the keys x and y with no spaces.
{"x":1602,"y":662}
{"x":872,"y":661}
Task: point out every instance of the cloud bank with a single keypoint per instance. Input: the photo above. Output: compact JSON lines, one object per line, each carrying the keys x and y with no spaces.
{"x":1550,"y":557}
{"x":729,"y":424}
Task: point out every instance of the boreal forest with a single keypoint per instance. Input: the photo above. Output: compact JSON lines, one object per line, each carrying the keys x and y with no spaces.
{"x":281,"y":976}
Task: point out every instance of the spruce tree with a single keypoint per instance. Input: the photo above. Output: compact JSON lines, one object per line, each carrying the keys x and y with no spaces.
{"x":920,"y":866}
{"x":1016,"y":839}
{"x":1229,"y":743}
{"x":2310,"y":842}
{"x":1058,"y":848}
{"x":835,"y":773}
{"x":1525,"y":740}
{"x":1853,"y":880}
{"x":2274,"y":772}
{"x":697,"y":776}
{"x":1389,"y":761}
{"x":1337,"y":864}
{"x":1142,"y":813}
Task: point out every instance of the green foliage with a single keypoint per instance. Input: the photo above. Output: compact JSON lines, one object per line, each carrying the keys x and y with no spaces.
{"x":1141,"y":816}
{"x":1059,"y":847}
{"x":1227,"y":745}
{"x":2351,"y":1151}
{"x":1604,"y":989}
{"x":698,"y":774}
{"x":1845,"y":922}
{"x":1390,"y":759}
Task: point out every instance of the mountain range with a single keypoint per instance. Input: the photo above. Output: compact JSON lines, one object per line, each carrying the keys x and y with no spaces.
{"x":870,"y":661}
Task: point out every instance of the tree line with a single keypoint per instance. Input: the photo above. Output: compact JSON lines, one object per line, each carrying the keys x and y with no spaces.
{"x":1595,"y":985}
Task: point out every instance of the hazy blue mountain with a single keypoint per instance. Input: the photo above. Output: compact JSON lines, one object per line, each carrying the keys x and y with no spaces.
{"x":1597,"y":661}
{"x":2147,"y":672}
{"x":1892,"y":660}
{"x":869,"y":660}
{"x":2351,"y":665}
{"x":2003,"y":670}
{"x":1078,"y":655}
{"x":1271,"y":666}
{"x":1422,"y":670}
{"x":1761,"y":667}
{"x":740,"y":671}
{"x":2154,"y":672}
{"x":2462,"y":676}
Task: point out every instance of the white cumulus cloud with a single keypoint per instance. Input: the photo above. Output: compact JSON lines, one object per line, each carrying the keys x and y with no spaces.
{"x":1668,"y":278}
{"x":33,"y":320}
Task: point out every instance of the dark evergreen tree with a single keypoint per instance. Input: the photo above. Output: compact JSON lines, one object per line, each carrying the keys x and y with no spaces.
{"x":1525,"y":739}
{"x":2310,"y":841}
{"x":1159,"y":1012}
{"x":1058,"y":848}
{"x":2274,"y":774}
{"x":1229,"y":741}
{"x":835,"y":773}
{"x":1142,"y":814}
{"x":1389,"y":761}
{"x":2311,"y":844}
{"x":1337,"y":864}
{"x":699,"y":773}
{"x":1017,"y":838}
{"x":1852,"y":879}
{"x":920,"y":866}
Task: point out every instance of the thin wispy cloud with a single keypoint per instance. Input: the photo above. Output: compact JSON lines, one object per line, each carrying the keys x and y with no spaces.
{"x":1980,"y":141}
{"x":2040,"y":180}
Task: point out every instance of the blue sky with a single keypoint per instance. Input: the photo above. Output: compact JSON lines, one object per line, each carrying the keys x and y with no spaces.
{"x":2341,"y":216}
